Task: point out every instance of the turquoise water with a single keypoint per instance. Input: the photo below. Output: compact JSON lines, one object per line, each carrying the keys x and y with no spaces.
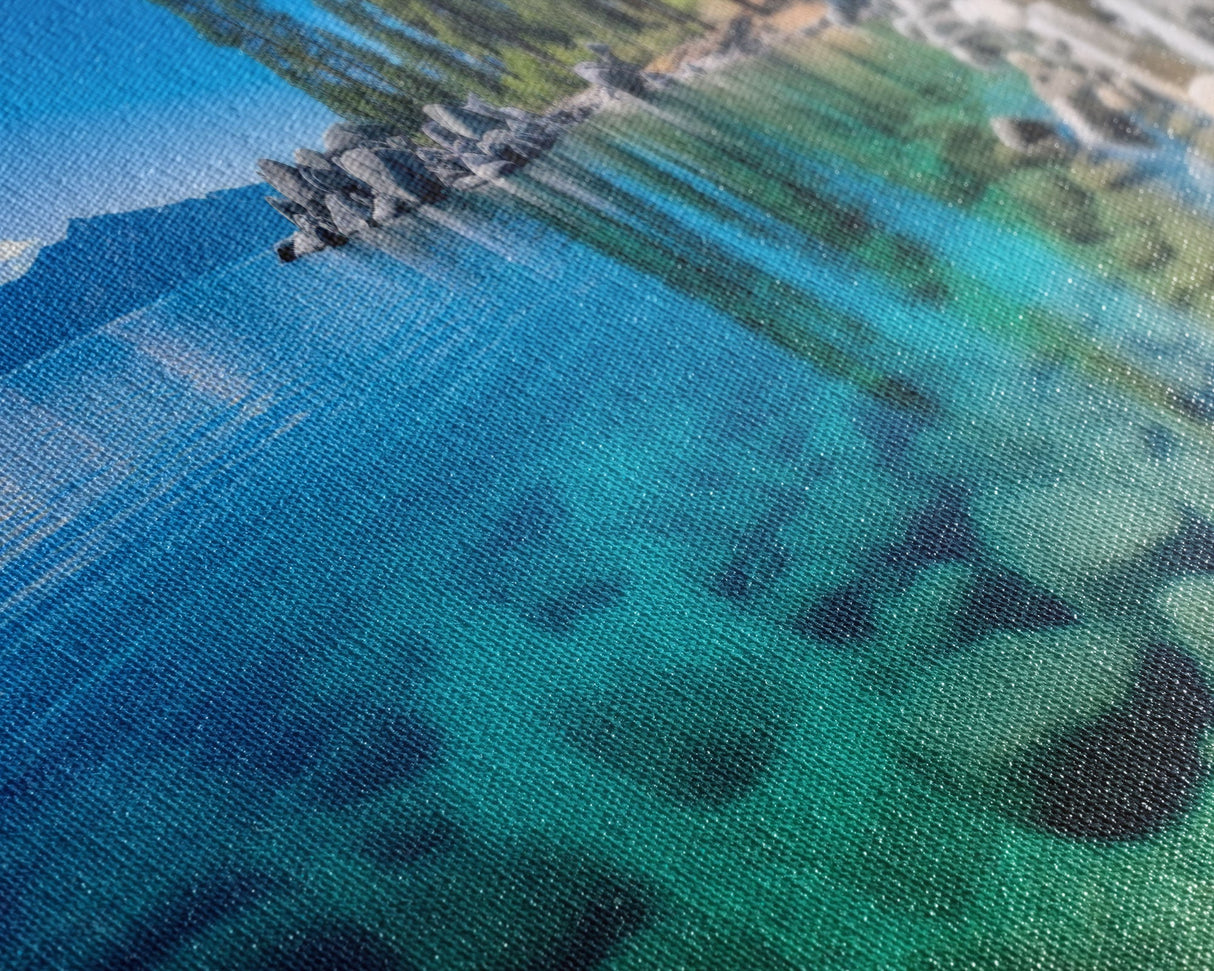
{"x":479,"y":601}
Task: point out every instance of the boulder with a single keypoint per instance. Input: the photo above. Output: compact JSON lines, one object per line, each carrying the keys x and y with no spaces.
{"x":392,"y":173}
{"x":285,"y":207}
{"x":388,"y":208}
{"x":433,"y":156}
{"x":1095,"y":125}
{"x":449,"y":173}
{"x":326,"y":180}
{"x":464,"y":146}
{"x":943,"y":29}
{"x":440,"y":135}
{"x":1115,"y":98}
{"x":1030,"y":138}
{"x":306,"y":157}
{"x":503,"y":144}
{"x":346,"y":135}
{"x":980,"y":49}
{"x":610,"y":73}
{"x":491,"y":169}
{"x":845,"y":12}
{"x":477,"y":105}
{"x":540,"y":132}
{"x":469,"y":124}
{"x":611,"y":77}
{"x":287,"y":180}
{"x":304,"y":242}
{"x":349,"y":216}
{"x":1003,"y":14}
{"x":322,"y":228}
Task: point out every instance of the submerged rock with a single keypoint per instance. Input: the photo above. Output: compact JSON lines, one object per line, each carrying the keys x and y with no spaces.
{"x":759,"y":559}
{"x":1065,"y":537}
{"x":1137,"y":770}
{"x":612,"y":911}
{"x":174,"y":924}
{"x":1005,"y":601}
{"x":405,"y":844}
{"x":1191,"y":550}
{"x":560,"y":614}
{"x":697,"y":735}
{"x":841,"y":618}
{"x":939,"y":533}
{"x":980,"y":711}
{"x":340,"y":948}
{"x":387,"y":749}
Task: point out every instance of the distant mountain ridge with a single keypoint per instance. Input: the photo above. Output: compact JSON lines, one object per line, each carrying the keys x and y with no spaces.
{"x":113,"y":264}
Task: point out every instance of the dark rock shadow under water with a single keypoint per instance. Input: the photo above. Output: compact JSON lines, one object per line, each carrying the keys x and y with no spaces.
{"x":1133,"y":772}
{"x":940,"y":533}
{"x":842,"y":618}
{"x":173,"y":924}
{"x":335,"y":948}
{"x":699,"y":737}
{"x":999,"y":601}
{"x":384,"y":749}
{"x":560,"y":614}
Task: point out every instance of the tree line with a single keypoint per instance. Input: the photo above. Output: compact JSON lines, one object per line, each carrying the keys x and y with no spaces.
{"x":384,"y":59}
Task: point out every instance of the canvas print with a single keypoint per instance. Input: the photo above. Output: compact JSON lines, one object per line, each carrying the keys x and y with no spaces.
{"x":627,"y":484}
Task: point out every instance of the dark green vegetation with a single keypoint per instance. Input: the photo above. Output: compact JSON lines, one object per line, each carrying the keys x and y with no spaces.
{"x":384,"y":59}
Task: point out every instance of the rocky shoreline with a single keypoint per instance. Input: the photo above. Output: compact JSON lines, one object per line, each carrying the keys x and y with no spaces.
{"x":1106,"y":70}
{"x":1097,"y":73}
{"x":370,"y":174}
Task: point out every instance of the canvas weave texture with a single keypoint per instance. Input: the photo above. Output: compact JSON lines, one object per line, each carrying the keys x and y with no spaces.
{"x":577,"y":484}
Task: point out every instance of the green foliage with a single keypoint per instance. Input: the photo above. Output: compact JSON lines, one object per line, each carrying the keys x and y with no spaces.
{"x":397,"y":55}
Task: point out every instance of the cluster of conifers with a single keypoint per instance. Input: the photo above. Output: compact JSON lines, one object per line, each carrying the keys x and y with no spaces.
{"x":370,"y":174}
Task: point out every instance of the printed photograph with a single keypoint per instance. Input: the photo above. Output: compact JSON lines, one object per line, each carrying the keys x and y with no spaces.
{"x":510,"y":485}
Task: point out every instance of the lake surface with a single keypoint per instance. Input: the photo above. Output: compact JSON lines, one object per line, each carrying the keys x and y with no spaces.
{"x":608,"y":570}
